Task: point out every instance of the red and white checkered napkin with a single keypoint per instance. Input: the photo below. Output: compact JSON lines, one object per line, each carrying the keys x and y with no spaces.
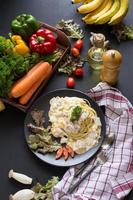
{"x":114,"y":179}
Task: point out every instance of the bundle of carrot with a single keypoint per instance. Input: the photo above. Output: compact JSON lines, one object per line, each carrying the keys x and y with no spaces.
{"x":25,"y":87}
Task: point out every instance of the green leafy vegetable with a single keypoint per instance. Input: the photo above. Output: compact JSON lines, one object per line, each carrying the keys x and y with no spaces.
{"x":50,"y":184}
{"x":6,"y":78}
{"x":70,"y":28}
{"x":122,"y":32}
{"x":40,"y":138}
{"x":41,"y":141}
{"x":5,"y":47}
{"x":12,"y":67}
{"x":69,"y":64}
{"x":76,"y":112}
{"x":45,"y":191}
{"x":52,"y":57}
{"x":38,"y":117}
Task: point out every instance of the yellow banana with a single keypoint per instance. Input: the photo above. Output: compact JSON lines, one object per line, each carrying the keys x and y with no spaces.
{"x":92,"y":17}
{"x":87,"y":1}
{"x":77,"y":1}
{"x":83,"y":9}
{"x":101,"y":7}
{"x":117,"y":18}
{"x":107,"y":16}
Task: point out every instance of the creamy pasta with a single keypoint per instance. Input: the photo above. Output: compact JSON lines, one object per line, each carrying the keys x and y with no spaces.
{"x":81,"y":134}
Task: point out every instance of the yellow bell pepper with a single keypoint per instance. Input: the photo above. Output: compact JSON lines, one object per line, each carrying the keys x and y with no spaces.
{"x":2,"y":106}
{"x":20,"y":46}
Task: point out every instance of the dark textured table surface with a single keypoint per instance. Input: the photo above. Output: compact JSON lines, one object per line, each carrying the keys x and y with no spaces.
{"x":14,"y":151}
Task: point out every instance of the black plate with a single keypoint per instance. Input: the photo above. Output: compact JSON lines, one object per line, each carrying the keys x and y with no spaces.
{"x":42,"y":103}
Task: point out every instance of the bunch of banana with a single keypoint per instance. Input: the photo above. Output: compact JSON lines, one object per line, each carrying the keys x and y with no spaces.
{"x":103,"y":11}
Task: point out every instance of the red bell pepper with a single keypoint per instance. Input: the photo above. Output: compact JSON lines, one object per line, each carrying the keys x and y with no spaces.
{"x":43,"y":42}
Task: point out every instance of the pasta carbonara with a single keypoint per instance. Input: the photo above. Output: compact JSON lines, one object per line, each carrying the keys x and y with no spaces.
{"x":81,"y":134}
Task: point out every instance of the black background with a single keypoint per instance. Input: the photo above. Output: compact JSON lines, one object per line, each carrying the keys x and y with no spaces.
{"x":14,"y":151}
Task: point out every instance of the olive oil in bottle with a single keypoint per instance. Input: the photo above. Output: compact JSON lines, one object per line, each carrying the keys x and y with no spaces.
{"x":95,"y":53}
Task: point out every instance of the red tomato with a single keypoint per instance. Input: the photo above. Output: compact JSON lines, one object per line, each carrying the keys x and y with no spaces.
{"x":79,"y":44}
{"x":70,"y":82}
{"x":75,"y":52}
{"x":79,"y":71}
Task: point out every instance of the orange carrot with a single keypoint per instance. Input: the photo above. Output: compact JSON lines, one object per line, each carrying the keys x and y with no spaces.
{"x":26,"y":97}
{"x":65,"y":153}
{"x":25,"y":83}
{"x":59,"y":153}
{"x":35,"y":67}
{"x":70,"y":150}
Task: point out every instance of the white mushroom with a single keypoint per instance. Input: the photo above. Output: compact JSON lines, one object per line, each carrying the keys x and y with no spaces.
{"x":25,"y":194}
{"x":20,"y":177}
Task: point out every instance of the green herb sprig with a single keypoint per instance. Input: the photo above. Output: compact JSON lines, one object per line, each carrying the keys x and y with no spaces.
{"x":70,"y":28}
{"x":52,"y":58}
{"x":122,"y":32}
{"x":75,"y":115}
{"x":69,"y":64}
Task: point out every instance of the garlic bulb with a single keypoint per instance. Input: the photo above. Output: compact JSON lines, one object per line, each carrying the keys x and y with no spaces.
{"x":25,"y":194}
{"x":20,"y":177}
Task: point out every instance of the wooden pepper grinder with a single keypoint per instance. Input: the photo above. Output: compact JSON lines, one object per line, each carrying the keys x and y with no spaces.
{"x":111,"y":66}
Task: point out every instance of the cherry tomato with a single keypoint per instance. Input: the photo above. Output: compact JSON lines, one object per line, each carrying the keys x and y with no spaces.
{"x":79,"y":72}
{"x":79,"y":44}
{"x":70,"y":82}
{"x":75,"y":52}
